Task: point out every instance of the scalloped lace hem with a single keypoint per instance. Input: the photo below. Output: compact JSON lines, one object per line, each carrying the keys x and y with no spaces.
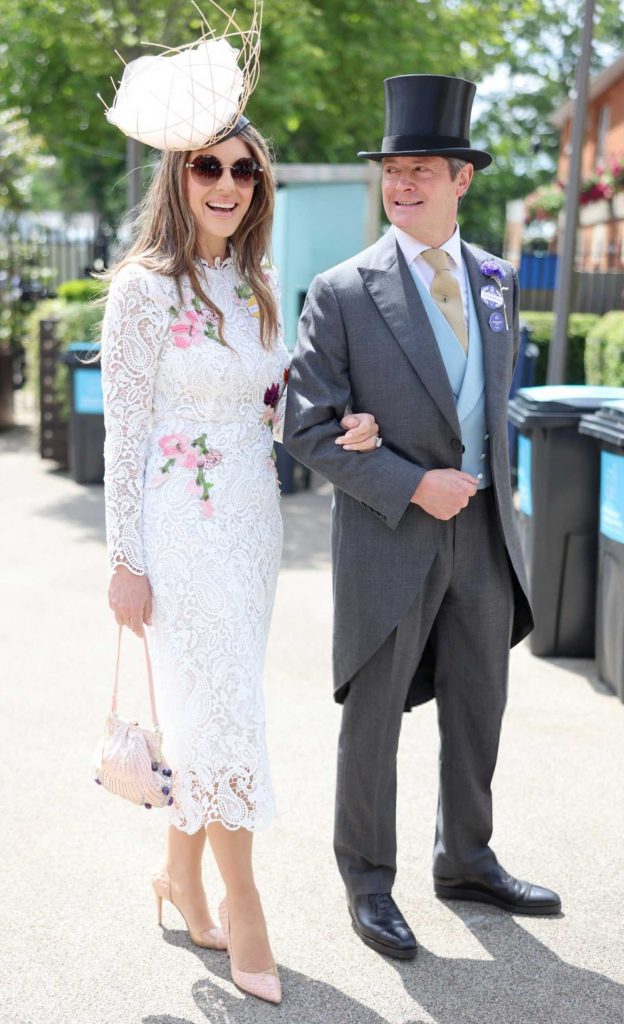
{"x":230,"y":801}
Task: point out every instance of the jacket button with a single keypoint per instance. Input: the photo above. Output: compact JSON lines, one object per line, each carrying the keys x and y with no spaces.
{"x":456,"y":445}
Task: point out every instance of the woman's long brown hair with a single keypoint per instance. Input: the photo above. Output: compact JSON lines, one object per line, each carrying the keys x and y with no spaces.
{"x":166,"y":238}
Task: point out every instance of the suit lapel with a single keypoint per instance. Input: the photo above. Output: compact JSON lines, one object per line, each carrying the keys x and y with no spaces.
{"x":495,"y":344}
{"x":393,"y":291}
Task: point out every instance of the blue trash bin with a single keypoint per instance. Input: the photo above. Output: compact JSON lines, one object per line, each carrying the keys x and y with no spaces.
{"x":86,"y":420}
{"x":558,"y":514}
{"x":607,"y":425}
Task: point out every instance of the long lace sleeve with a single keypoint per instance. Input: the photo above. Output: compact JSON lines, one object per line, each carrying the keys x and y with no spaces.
{"x":132,"y":334}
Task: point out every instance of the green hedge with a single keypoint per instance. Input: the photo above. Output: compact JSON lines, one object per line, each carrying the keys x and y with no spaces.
{"x":604,"y":351}
{"x":542,"y":325}
{"x":84,"y":289}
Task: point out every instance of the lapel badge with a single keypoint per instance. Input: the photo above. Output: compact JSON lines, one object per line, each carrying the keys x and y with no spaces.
{"x":492,"y":269}
{"x":497,"y":322}
{"x":492,"y":296}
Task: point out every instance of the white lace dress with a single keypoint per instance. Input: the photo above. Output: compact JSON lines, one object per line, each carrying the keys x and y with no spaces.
{"x":192,"y":501}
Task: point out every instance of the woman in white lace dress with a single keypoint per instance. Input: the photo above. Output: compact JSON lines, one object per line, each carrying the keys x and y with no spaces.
{"x":194,"y":373}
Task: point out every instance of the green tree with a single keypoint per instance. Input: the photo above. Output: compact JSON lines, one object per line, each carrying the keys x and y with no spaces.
{"x":320,"y":96}
{"x":20,"y":159}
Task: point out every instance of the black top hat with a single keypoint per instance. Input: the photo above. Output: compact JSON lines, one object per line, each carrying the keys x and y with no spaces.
{"x":429,"y":115}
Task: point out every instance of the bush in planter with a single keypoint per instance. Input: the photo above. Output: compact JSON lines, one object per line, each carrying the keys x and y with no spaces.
{"x":76,"y":321}
{"x":604,"y":351}
{"x":84,"y":289}
{"x":542,"y":327}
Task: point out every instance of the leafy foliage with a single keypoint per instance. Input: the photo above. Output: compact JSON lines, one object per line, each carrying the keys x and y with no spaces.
{"x":604,"y":351}
{"x":84,"y":289}
{"x":22,"y":281}
{"x":320,"y":96}
{"x":545,"y":203}
{"x":541,"y":326}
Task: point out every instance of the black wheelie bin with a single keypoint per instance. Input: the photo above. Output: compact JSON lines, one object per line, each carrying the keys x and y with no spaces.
{"x":86,"y":420}
{"x":558,"y":515}
{"x":607,"y":425}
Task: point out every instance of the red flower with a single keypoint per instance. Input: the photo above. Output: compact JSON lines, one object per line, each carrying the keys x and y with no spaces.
{"x":271,"y":395}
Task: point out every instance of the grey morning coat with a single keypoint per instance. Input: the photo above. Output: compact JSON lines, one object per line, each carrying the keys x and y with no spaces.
{"x":366,"y":343}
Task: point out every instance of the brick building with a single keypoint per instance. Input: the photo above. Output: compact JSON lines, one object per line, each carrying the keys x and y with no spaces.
{"x":600,"y":245}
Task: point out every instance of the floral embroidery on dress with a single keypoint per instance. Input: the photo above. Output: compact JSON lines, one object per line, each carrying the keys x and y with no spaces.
{"x":191,"y":326}
{"x":246,"y":298}
{"x":271,"y":399}
{"x":179,"y":450}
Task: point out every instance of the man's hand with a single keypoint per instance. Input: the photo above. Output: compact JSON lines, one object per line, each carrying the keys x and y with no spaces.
{"x":130,"y":597}
{"x":361,"y":432}
{"x":443,"y":493}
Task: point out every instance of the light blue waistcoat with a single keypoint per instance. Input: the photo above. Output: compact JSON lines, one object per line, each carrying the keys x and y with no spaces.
{"x":467,"y":379}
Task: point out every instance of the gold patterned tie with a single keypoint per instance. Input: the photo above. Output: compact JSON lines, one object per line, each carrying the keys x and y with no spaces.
{"x":446,"y":293}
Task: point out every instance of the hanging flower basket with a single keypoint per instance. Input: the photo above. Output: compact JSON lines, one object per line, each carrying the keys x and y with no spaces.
{"x":545,"y":203}
{"x":604,"y":183}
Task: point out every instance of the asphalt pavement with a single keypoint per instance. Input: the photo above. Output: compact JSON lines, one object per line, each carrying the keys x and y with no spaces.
{"x":80,"y":942}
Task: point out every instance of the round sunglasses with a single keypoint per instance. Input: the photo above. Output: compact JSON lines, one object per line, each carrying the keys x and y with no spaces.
{"x":205,"y":169}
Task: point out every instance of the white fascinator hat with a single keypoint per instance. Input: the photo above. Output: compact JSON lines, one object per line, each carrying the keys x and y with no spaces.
{"x":193,"y":96}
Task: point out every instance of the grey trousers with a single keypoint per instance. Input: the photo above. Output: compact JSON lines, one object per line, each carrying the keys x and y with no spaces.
{"x":465,"y":609}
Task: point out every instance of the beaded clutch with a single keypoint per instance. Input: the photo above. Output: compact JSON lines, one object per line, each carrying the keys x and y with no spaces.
{"x":129,"y":759}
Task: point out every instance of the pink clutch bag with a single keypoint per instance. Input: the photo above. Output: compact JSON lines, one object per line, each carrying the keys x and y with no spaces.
{"x":129,"y":759}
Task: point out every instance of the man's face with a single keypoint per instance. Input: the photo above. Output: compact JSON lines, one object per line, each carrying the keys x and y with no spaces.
{"x":420,"y":197}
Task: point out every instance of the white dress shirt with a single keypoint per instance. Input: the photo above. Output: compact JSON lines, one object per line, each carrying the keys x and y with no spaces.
{"x":413,"y":250}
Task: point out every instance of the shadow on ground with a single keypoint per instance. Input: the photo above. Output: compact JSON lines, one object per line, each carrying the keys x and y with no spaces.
{"x":524,"y":982}
{"x":84,"y":511}
{"x":586,"y":669}
{"x":306,"y":528}
{"x":17,"y":439}
{"x":306,"y":1000}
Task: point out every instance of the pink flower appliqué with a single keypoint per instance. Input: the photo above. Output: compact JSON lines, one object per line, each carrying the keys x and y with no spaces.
{"x":209,"y":459}
{"x":191,"y":326}
{"x":188,"y":330}
{"x":180,"y":451}
{"x":174,"y":445}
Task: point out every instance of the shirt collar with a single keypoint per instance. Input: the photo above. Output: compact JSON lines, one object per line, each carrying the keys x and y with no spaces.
{"x":411,"y":247}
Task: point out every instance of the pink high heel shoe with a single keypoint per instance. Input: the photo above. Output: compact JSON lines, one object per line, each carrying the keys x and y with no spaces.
{"x":263,"y":984}
{"x":212,"y":938}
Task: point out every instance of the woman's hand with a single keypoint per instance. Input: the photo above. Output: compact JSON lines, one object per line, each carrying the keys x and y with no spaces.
{"x":362,"y":431}
{"x":130,"y":597}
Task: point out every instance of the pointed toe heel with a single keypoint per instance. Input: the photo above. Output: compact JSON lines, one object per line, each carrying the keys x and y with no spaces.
{"x":262,"y":984}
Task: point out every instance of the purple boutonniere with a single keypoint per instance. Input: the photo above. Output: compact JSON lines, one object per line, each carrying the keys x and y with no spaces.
{"x":493,"y":269}
{"x":496,"y":274}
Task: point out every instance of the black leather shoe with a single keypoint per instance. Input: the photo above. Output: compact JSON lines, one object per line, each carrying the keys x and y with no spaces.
{"x":381,"y":925}
{"x":501,"y":890}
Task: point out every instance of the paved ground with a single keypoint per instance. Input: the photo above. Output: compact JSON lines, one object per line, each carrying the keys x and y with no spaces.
{"x":80,"y":943}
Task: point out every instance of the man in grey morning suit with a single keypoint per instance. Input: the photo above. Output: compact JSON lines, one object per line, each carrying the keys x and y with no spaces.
{"x":420,"y":329}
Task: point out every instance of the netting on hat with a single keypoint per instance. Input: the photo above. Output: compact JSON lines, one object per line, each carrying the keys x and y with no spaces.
{"x":190,"y":96}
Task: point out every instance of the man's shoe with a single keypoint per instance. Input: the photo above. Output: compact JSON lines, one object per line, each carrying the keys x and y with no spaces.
{"x":501,"y":890}
{"x":381,"y":925}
